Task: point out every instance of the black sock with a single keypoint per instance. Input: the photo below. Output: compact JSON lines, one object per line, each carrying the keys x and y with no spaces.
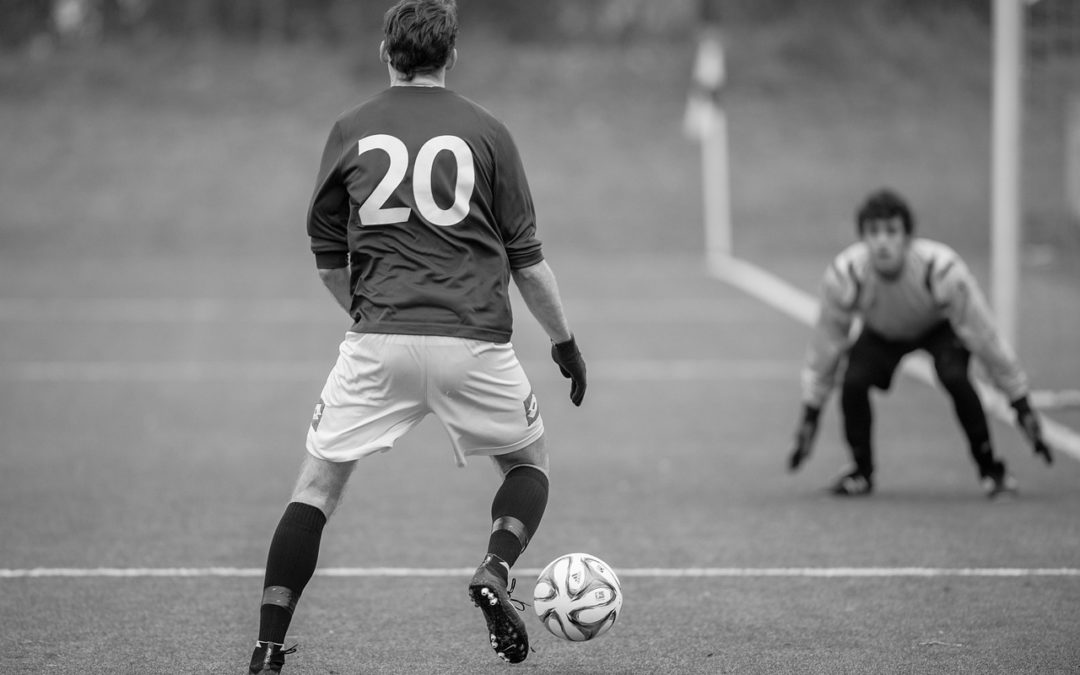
{"x":516,"y":511}
{"x":294,"y":552}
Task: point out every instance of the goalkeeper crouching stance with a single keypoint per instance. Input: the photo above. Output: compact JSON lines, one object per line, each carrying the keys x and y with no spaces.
{"x":909,"y":294}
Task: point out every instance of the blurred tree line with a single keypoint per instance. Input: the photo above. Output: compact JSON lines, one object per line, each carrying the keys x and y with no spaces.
{"x":22,"y":21}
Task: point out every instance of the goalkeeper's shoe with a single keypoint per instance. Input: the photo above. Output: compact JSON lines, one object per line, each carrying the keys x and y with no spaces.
{"x":506,"y":630}
{"x":997,"y":482}
{"x":852,"y":484}
{"x":269,"y":657}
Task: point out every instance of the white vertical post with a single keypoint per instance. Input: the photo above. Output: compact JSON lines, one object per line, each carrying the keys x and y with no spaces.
{"x":707,"y":121}
{"x":1006,"y":157}
{"x":714,"y":165}
{"x":1072,"y":155}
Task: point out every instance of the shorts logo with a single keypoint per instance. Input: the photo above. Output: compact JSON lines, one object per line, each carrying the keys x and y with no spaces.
{"x":317,"y":416}
{"x":532,"y":409}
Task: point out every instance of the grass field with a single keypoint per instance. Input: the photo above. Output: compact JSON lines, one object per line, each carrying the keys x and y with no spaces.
{"x":165,"y":337}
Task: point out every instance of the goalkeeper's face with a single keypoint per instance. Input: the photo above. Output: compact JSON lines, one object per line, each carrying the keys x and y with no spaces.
{"x":888,"y":242}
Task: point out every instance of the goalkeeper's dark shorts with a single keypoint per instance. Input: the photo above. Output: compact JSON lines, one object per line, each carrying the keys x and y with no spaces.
{"x":873,"y":359}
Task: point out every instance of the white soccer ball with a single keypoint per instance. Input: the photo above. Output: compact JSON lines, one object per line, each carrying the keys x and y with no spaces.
{"x":577,"y":597}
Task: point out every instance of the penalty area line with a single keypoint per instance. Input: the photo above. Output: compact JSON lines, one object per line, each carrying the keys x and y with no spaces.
{"x":635,"y":572}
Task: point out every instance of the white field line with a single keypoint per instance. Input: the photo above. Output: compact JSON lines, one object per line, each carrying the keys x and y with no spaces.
{"x":619,"y":370}
{"x":802,"y":306}
{"x":631,"y":572}
{"x":187,"y":311}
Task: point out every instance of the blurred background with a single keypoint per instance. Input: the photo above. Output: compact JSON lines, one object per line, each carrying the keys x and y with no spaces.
{"x":163,"y":334}
{"x":161,"y":128}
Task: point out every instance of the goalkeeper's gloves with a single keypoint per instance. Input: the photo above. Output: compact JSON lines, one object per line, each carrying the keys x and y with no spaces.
{"x":804,"y":436}
{"x":1028,"y":422}
{"x":568,"y":357}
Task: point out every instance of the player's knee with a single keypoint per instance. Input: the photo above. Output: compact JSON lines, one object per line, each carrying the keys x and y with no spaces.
{"x":321,"y":483}
{"x":534,"y":454}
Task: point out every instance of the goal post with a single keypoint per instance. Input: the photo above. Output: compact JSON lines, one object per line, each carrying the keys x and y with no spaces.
{"x":1005,"y":211}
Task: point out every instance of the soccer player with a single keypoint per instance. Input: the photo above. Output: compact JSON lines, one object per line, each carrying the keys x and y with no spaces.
{"x":420,"y":217}
{"x":909,"y":293}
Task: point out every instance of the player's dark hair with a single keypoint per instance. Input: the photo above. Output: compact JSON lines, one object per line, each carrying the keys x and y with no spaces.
{"x":884,"y":204}
{"x":420,"y":35}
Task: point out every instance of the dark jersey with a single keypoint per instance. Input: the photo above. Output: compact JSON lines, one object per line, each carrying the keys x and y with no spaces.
{"x":426,"y":193}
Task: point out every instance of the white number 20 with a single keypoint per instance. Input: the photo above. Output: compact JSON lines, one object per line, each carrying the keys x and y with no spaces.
{"x":372,"y":211}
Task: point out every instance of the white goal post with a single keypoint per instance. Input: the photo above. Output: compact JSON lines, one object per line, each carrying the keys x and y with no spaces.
{"x":1005,"y":209}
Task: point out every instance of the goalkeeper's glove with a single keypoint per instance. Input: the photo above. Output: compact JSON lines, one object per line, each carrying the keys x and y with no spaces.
{"x":1028,"y":422}
{"x":568,"y":357}
{"x":804,"y":436}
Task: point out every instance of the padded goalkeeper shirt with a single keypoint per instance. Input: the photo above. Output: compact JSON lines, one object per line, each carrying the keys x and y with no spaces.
{"x":934,"y":286}
{"x":422,"y":193}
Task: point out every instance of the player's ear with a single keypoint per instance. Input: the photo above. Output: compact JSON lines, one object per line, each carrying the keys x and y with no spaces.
{"x":452,"y":59}
{"x":384,"y":56}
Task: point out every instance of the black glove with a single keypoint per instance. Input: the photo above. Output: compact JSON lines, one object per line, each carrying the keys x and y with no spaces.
{"x":804,"y":437}
{"x":568,"y":357}
{"x":1028,"y":422}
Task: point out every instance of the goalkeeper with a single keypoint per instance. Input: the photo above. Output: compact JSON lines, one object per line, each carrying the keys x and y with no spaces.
{"x":908,"y":293}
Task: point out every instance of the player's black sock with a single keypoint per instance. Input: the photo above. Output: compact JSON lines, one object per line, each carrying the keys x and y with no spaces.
{"x":516,"y":511}
{"x":858,"y":423}
{"x":294,"y":552}
{"x":989,"y":467}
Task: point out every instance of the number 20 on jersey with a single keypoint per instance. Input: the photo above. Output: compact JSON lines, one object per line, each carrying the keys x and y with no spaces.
{"x":373,"y":210}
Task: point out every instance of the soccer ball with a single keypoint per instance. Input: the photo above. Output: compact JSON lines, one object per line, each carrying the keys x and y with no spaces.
{"x":577,"y":597}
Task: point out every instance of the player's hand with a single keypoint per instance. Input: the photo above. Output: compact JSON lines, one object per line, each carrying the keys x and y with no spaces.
{"x":1028,"y":422}
{"x":567,"y":356}
{"x":804,"y":437}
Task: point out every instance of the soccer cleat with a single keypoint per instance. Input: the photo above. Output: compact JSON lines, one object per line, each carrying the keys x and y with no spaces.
{"x":999,"y":483}
{"x":852,"y":484}
{"x":506,"y":630}
{"x":269,"y":657}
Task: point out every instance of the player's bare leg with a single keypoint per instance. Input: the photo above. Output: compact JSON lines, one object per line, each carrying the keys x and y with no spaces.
{"x":515,"y":514}
{"x":294,"y":552}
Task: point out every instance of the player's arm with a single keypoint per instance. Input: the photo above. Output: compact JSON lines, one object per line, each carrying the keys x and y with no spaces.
{"x":516,"y":219}
{"x":828,"y":343}
{"x":336,"y":280}
{"x":960,"y":298}
{"x":969,"y":314}
{"x":327,"y":223}
{"x":540,"y":291}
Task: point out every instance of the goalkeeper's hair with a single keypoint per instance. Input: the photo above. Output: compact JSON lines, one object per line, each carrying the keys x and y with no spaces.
{"x":420,"y":35}
{"x":884,"y":204}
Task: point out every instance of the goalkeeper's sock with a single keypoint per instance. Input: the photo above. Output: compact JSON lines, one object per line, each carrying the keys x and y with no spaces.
{"x":294,"y":552}
{"x":516,"y":512}
{"x":983,"y":454}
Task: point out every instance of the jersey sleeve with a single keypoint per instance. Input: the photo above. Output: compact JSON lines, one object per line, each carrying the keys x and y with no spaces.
{"x":957,"y":293}
{"x":838,"y":298}
{"x":328,"y":215}
{"x":513,"y":205}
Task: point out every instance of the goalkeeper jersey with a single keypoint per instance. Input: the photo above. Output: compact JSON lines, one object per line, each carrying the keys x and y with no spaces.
{"x":934,"y":286}
{"x":422,"y":193}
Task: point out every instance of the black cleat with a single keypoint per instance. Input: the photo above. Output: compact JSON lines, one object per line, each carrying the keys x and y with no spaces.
{"x":998,"y":482}
{"x":852,"y":485}
{"x":268,"y":657}
{"x":506,"y":630}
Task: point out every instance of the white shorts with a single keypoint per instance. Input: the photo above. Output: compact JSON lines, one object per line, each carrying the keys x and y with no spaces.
{"x":384,"y":385}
